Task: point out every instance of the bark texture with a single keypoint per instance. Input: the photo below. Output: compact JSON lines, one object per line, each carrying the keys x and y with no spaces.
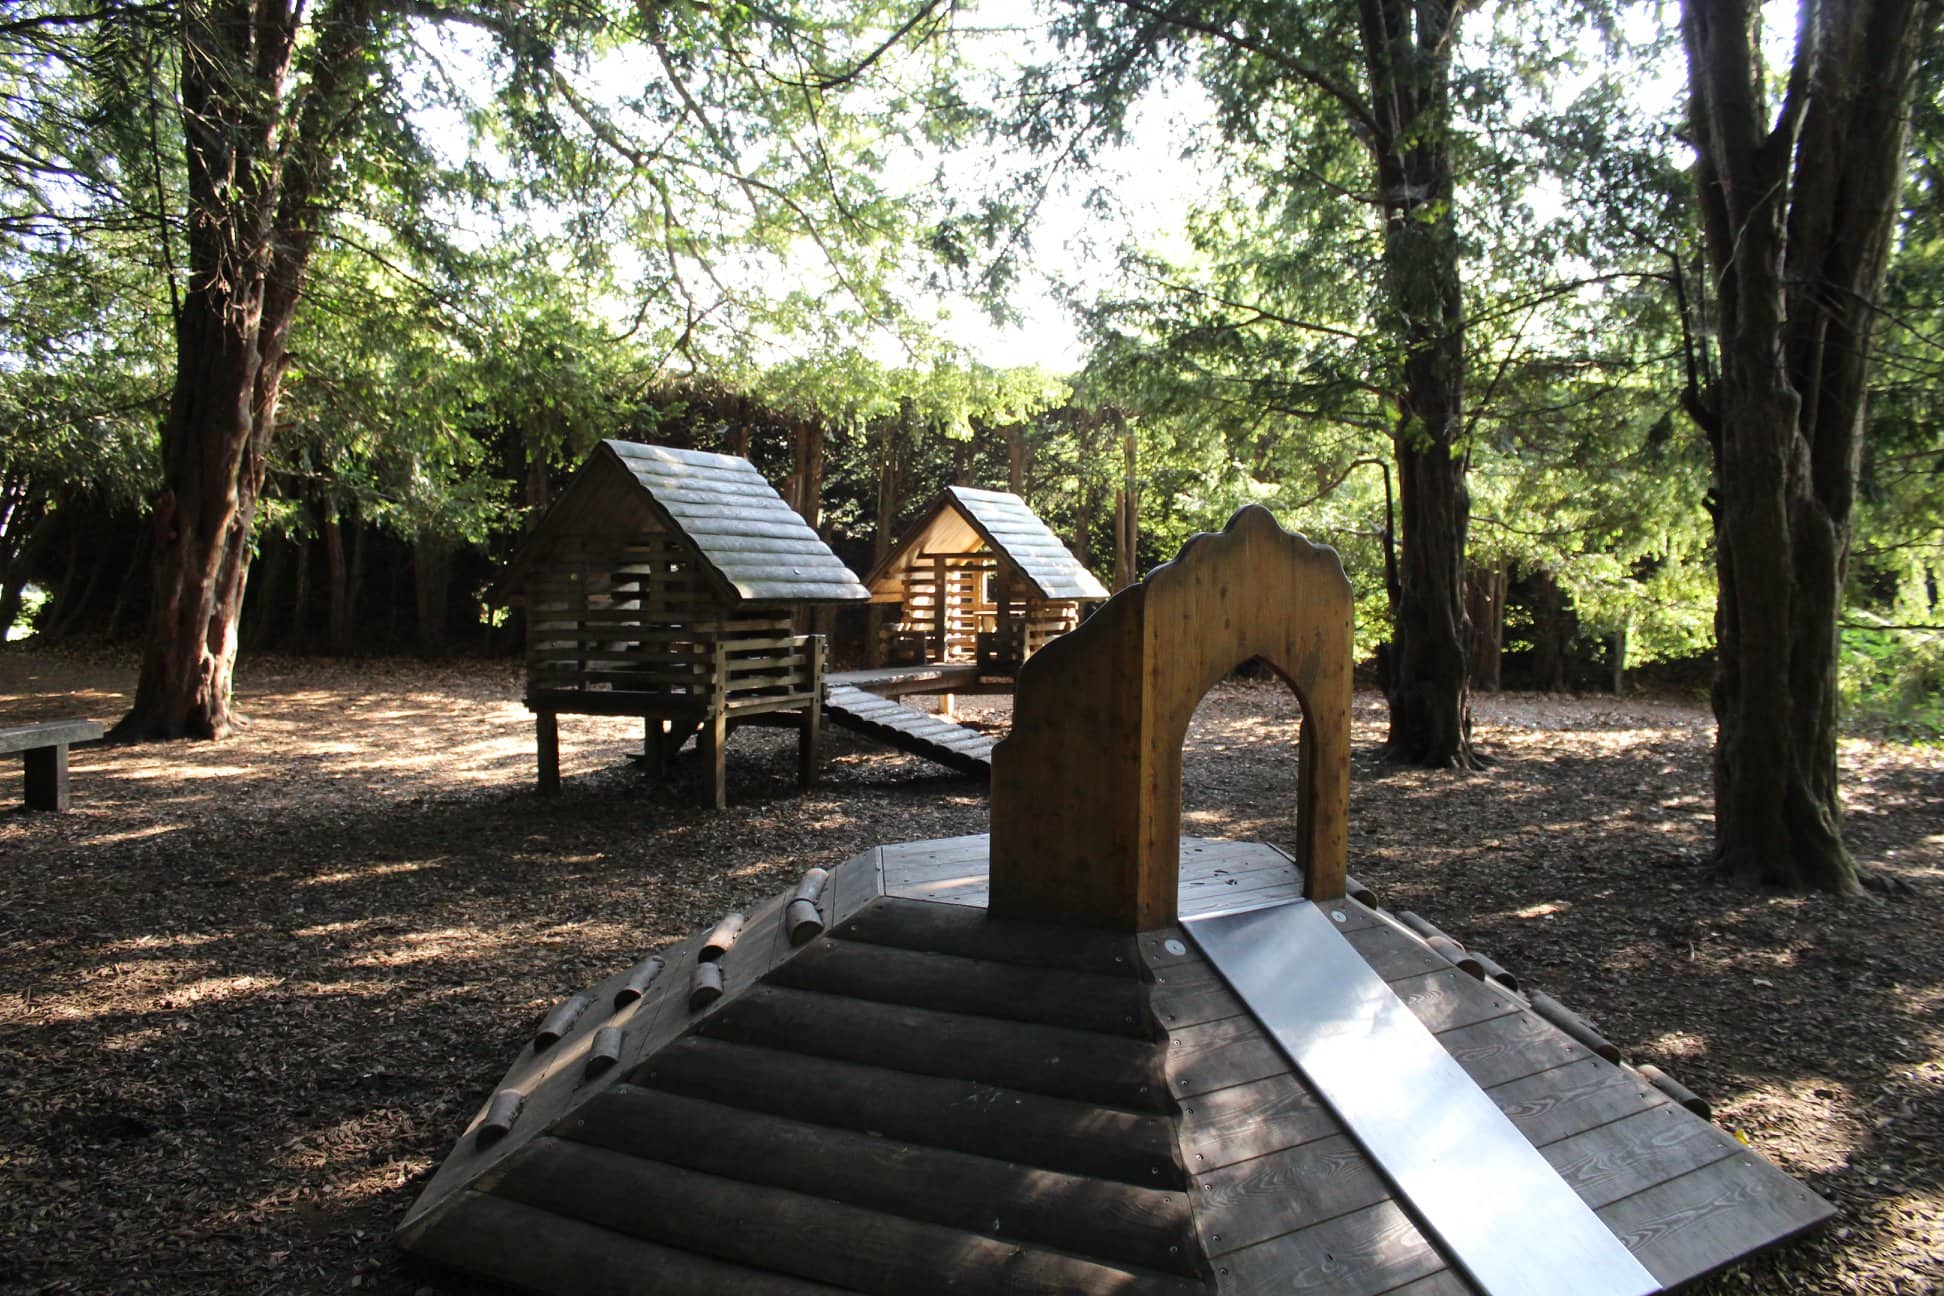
{"x":1407,"y":52}
{"x":1798,"y":211}
{"x":256,"y":156}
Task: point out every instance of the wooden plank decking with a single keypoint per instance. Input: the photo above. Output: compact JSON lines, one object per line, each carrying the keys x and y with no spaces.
{"x":954,"y":746}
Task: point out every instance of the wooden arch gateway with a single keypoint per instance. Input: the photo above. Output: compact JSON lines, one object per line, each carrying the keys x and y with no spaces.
{"x":1086,"y":790}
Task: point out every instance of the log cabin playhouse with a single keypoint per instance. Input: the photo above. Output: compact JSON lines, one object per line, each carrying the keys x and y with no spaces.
{"x":979,"y":578}
{"x":663,"y":584}
{"x":1084,"y":1054}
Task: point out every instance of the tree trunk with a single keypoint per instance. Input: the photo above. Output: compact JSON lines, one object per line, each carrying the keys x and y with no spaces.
{"x":1407,"y":51}
{"x":253,"y":174}
{"x":337,"y":578}
{"x":1798,"y":214}
{"x":432,"y":572}
{"x":1485,"y":597}
{"x":1127,"y":516}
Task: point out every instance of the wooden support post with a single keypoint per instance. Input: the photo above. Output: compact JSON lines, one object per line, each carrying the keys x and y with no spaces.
{"x":941,"y":607}
{"x":546,"y":730}
{"x":654,"y":737}
{"x":715,"y":734}
{"x":810,"y":733}
{"x":47,"y":777}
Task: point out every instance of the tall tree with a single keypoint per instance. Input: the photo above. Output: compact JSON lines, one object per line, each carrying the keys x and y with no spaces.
{"x":1379,"y":74}
{"x":1799,"y":205}
{"x":262,"y":125}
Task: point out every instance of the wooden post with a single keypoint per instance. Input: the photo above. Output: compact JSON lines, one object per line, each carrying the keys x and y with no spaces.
{"x":809,"y":732}
{"x":47,"y":777}
{"x":941,"y":609}
{"x":546,"y":731}
{"x":654,"y":735}
{"x":715,"y":734}
{"x":1086,"y":790}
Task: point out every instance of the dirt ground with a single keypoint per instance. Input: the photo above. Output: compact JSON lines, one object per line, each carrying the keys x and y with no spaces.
{"x":251,"y":991}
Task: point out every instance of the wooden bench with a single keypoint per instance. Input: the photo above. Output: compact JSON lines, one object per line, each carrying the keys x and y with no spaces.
{"x":46,"y":749}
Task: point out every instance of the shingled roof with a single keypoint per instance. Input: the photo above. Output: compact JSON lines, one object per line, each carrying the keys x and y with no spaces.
{"x":963,"y":517}
{"x":754,"y":547}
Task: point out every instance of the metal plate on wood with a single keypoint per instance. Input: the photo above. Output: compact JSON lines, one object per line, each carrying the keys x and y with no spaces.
{"x":1486,"y":1196}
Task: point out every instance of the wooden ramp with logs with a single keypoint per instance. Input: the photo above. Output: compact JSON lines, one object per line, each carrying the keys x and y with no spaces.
{"x":1050,"y":1060}
{"x":889,"y":721}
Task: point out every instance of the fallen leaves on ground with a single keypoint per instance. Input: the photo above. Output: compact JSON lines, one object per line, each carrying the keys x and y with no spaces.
{"x":252,"y":990}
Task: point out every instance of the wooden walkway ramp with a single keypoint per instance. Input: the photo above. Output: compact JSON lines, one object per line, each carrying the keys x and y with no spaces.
{"x":875,"y":716}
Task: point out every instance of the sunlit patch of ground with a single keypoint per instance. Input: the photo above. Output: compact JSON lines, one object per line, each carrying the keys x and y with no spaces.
{"x":251,"y":991}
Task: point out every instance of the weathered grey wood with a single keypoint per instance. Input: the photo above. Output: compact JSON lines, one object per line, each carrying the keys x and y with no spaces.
{"x":1046,"y":997}
{"x":604,"y":1051}
{"x":722,"y":937}
{"x":561,"y":1020}
{"x":953,"y":746}
{"x":1573,"y":1024}
{"x":1215,"y":1055}
{"x":1628,"y":1156}
{"x":544,"y":1252}
{"x":943,"y":1111}
{"x":46,"y":778}
{"x":1264,"y":1197}
{"x":1564,"y":1100}
{"x":715,"y":767}
{"x":1447,"y":999}
{"x":1508,"y":1048}
{"x":705,"y":984}
{"x":801,"y":1235}
{"x":1675,"y":1090}
{"x":1250,"y":1120}
{"x":1697,"y":1223}
{"x":950,"y":929}
{"x":48,"y":733}
{"x":501,"y":1113}
{"x":1056,"y":1061}
{"x":1364,"y":1253}
{"x":639,"y":979}
{"x":1103,"y":1219}
{"x":44,"y":751}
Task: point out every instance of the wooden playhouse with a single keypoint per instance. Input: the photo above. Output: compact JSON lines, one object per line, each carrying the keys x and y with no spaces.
{"x":663,"y":584}
{"x":1084,"y":1054}
{"x":979,"y":577}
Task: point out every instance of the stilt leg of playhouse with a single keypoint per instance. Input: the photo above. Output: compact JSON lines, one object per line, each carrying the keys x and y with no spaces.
{"x":946,"y":711}
{"x":654,"y":737}
{"x":715,"y":765}
{"x":808,"y":735}
{"x":546,"y":731}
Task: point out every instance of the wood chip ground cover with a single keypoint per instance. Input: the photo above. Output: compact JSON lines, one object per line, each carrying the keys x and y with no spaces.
{"x":250,"y":991}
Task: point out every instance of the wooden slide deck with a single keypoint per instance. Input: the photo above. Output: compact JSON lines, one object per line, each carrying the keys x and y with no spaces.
{"x":952,"y":745}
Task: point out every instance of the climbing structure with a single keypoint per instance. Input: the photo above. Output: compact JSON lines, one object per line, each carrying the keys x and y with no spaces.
{"x":1087,"y":1054}
{"x":663,"y":584}
{"x":979,"y":578}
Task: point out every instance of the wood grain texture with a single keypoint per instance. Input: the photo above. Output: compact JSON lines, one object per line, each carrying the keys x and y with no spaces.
{"x":1086,"y":797}
{"x":950,"y":1112}
{"x":537,"y":1250}
{"x":1081,"y":1065}
{"x":1364,"y":1253}
{"x":1103,"y":1219}
{"x":804,"y":1235}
